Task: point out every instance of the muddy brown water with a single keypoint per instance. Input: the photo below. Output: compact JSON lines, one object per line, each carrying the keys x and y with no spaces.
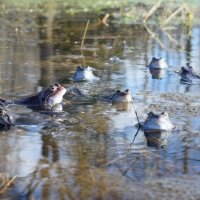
{"x":85,"y":152}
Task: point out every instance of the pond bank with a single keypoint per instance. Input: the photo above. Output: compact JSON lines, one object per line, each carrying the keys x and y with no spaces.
{"x":122,"y":11}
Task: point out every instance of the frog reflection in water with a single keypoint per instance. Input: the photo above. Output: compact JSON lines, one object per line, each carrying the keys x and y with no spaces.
{"x":121,"y":97}
{"x":188,"y":75}
{"x":156,"y":128}
{"x":84,"y":74}
{"x":157,"y":63}
{"x":45,"y":99}
{"x":157,"y":73}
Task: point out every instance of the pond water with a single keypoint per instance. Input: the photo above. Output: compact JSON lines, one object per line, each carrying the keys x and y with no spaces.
{"x":86,"y":152}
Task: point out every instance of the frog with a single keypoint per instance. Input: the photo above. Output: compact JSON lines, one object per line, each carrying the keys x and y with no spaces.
{"x":84,"y":73}
{"x":188,"y":75}
{"x":7,"y":119}
{"x":157,"y":122}
{"x":43,"y":100}
{"x":156,"y":129}
{"x":121,"y":97}
{"x":157,"y":63}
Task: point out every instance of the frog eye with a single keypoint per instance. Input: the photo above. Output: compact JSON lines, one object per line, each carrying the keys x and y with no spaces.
{"x":150,"y":114}
{"x":127,"y":90}
{"x":57,"y":84}
{"x":165,"y":114}
{"x":2,"y":112}
{"x":118,"y":91}
{"x":52,"y":88}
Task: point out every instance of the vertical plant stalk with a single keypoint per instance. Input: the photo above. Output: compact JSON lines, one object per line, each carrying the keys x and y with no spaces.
{"x":83,"y":40}
{"x":86,"y":28}
{"x":136,"y":115}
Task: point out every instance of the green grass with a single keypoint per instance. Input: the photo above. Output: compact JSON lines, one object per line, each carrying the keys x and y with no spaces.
{"x":126,"y":10}
{"x":100,"y":3}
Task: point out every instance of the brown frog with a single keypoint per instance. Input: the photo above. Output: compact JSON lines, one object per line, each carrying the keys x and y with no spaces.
{"x":45,"y":99}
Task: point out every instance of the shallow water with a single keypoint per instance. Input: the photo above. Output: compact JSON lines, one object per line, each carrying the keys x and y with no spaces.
{"x":85,"y":152}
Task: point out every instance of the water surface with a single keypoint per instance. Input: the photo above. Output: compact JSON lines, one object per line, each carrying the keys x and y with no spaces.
{"x":85,"y":152}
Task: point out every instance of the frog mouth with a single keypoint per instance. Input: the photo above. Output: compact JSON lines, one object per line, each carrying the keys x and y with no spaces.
{"x":5,"y":121}
{"x":55,"y":98}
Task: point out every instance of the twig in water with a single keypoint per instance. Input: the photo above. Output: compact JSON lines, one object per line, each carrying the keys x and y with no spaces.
{"x":135,"y":135}
{"x":83,"y":39}
{"x":7,"y":184}
{"x":136,"y":114}
{"x":92,"y":175}
{"x":172,"y":16}
{"x":152,"y":10}
{"x":86,"y":28}
{"x":153,"y":35}
{"x":139,"y":124}
{"x":170,"y":37}
{"x":104,"y":20}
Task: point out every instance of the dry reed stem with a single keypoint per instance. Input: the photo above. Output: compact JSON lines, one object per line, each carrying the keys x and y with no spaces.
{"x":152,"y":10}
{"x":104,"y":20}
{"x":83,"y":40}
{"x":170,"y":37}
{"x":92,"y":175}
{"x":7,"y":184}
{"x":153,"y":35}
{"x":172,"y":15}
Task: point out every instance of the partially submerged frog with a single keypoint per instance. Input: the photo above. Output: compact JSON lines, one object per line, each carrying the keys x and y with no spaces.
{"x":156,"y":129}
{"x":121,"y":97}
{"x":7,"y":119}
{"x":188,"y":75}
{"x":157,"y":122}
{"x":84,"y":74}
{"x":157,"y":63}
{"x":43,"y":100}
